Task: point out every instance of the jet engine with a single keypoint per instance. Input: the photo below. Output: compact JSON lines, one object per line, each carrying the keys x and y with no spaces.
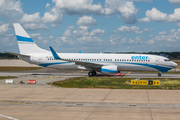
{"x":109,"y":69}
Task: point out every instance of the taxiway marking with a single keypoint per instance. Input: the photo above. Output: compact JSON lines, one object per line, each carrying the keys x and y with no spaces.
{"x":8,"y":117}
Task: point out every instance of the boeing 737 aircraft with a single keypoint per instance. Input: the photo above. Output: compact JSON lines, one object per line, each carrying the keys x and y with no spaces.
{"x":104,"y":63}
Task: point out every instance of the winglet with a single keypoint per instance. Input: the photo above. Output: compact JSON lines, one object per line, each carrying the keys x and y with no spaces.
{"x":55,"y":55}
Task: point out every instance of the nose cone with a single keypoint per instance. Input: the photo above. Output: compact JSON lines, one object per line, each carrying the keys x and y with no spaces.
{"x":174,"y":65}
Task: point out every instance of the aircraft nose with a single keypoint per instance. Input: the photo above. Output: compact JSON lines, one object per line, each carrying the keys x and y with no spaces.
{"x":174,"y":65}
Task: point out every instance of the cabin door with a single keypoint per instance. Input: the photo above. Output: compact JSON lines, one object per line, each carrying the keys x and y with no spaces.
{"x":157,"y":61}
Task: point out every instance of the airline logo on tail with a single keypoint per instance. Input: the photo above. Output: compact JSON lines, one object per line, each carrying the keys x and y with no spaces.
{"x":21,"y":34}
{"x":23,"y":39}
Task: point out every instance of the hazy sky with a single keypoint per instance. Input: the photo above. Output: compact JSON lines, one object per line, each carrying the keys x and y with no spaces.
{"x":93,"y":25}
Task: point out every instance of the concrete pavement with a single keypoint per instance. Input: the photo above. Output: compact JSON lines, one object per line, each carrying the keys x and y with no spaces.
{"x":87,"y":104}
{"x":15,"y":63}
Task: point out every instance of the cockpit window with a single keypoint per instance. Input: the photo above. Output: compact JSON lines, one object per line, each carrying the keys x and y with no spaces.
{"x":167,"y":60}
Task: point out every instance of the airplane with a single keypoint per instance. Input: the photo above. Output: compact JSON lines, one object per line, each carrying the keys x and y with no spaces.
{"x":92,"y":62}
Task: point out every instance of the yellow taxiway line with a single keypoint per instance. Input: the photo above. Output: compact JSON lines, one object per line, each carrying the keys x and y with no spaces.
{"x":127,"y":74}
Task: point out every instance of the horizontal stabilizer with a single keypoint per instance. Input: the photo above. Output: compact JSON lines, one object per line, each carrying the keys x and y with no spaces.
{"x":17,"y":54}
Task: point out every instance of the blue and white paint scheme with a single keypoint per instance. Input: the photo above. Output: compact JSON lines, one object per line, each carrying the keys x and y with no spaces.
{"x":104,"y":63}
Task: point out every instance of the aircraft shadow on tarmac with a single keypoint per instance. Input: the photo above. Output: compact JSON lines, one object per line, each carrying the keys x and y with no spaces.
{"x":43,"y":74}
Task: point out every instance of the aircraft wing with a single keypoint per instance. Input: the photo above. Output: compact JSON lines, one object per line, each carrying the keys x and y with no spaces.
{"x":81,"y":63}
{"x":17,"y":54}
{"x":88,"y":64}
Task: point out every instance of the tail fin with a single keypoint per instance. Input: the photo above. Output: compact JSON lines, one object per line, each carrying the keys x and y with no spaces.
{"x":25,"y":43}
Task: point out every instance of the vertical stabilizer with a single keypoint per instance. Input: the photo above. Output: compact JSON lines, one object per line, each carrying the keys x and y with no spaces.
{"x":25,"y":43}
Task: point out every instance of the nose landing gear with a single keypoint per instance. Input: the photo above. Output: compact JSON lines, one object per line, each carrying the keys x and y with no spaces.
{"x":159,"y":74}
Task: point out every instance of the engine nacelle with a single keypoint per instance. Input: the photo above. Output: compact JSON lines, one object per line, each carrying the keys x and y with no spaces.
{"x":109,"y":69}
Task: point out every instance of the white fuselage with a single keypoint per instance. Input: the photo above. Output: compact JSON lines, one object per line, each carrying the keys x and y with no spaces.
{"x":124,"y":62}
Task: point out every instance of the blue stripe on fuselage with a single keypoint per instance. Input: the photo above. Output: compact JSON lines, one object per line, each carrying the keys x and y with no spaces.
{"x":23,"y":39}
{"x":160,"y":68}
{"x":47,"y":64}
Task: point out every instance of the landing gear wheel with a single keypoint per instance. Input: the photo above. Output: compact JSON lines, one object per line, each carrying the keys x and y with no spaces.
{"x":94,"y":73}
{"x":90,"y":74}
{"x":159,"y":74}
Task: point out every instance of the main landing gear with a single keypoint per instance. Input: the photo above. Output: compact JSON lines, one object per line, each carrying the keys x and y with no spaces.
{"x":159,"y":74}
{"x":92,"y":73}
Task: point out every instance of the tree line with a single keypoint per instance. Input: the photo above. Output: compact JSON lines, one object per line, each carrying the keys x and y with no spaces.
{"x":7,"y":56}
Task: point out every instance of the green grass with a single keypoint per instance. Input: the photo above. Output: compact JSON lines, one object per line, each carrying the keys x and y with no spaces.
{"x":116,"y":83}
{"x":19,"y":68}
{"x":7,"y":77}
{"x":173,"y":72}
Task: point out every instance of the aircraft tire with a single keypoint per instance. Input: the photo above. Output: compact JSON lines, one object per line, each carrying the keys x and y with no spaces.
{"x":159,"y":74}
{"x":94,"y":73}
{"x":90,"y":74}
